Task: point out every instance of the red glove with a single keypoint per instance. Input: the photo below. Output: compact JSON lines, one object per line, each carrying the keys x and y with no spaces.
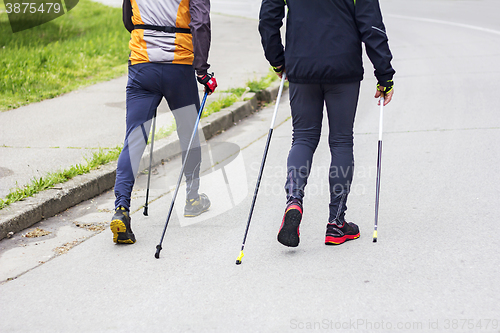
{"x":209,"y":81}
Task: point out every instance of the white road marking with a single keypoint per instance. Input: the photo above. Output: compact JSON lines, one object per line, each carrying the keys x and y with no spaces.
{"x":461,"y":25}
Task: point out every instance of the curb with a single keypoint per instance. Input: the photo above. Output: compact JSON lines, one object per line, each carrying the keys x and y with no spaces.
{"x":25,"y":213}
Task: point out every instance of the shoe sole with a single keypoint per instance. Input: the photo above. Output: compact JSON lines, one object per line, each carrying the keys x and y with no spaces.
{"x":120,"y":236}
{"x":330,"y":240}
{"x":194,"y":215}
{"x":289,"y":232}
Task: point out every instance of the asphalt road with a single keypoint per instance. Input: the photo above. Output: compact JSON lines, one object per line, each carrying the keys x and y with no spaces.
{"x":434,"y":268}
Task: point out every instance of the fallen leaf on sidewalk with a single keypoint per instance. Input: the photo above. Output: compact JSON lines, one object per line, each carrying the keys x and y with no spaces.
{"x":36,"y":233}
{"x":91,"y":226}
{"x":66,"y":247}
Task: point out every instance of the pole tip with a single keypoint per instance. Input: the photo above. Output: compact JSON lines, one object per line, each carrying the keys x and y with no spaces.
{"x":145,"y":211}
{"x":158,"y":249}
{"x":375,"y":236}
{"x":238,"y":260}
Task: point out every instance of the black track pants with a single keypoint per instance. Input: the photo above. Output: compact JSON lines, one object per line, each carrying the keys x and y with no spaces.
{"x":307,"y":102}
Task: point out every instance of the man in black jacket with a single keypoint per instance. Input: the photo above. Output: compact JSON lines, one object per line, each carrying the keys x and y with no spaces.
{"x":323,"y":63}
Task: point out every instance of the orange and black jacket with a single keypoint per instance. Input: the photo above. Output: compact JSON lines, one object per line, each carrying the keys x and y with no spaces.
{"x":184,"y":40}
{"x":324,"y":39}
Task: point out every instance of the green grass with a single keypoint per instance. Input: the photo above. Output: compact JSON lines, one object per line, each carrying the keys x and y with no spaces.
{"x":163,"y":132}
{"x":263,"y":83}
{"x":98,"y":158}
{"x":87,"y":45}
{"x":219,"y":104}
{"x":237,"y":91}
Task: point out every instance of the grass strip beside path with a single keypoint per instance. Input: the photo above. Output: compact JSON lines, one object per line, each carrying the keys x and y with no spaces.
{"x":84,"y":46}
{"x":98,"y":158}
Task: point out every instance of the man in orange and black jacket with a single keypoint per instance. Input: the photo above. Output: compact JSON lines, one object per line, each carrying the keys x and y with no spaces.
{"x":170,"y":41}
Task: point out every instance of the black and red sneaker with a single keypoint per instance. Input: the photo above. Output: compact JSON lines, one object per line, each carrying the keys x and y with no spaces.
{"x":289,"y":230}
{"x":336,"y":235}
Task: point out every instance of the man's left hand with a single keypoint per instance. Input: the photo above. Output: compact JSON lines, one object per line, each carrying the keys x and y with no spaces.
{"x":387,"y":96}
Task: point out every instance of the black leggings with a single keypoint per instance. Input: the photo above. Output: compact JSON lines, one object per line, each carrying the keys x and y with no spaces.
{"x":307,"y":101}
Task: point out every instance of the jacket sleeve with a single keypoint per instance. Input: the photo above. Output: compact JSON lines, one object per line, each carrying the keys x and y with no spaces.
{"x":373,"y":34}
{"x":271,"y":17}
{"x":127,"y":15}
{"x":201,"y":31}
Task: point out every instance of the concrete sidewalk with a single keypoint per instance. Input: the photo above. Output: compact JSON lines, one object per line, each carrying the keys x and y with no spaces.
{"x":55,"y":134}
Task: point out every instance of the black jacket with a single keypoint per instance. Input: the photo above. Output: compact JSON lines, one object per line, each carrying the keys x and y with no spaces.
{"x":323,"y":39}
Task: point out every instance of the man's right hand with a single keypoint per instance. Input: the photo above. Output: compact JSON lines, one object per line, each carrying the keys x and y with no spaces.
{"x":279,"y":70}
{"x":209,"y":81}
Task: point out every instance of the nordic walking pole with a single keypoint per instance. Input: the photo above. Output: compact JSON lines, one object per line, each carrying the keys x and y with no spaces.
{"x":379,"y":166}
{"x":158,"y":247}
{"x":238,"y":260}
{"x":150,"y":162}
